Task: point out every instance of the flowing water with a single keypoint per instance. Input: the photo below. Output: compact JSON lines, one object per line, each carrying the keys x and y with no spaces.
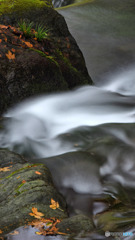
{"x":86,"y":137}
{"x":104,"y":31}
{"x":41,"y":122}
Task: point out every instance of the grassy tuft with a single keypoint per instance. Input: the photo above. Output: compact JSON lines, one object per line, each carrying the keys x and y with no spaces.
{"x":41,"y":32}
{"x":26,"y":28}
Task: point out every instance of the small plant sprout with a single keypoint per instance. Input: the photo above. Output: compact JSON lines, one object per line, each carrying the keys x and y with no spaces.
{"x":41,"y":32}
{"x":26,"y":28}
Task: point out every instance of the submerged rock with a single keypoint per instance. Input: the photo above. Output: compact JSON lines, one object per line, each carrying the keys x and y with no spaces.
{"x":120,"y":219}
{"x":31,"y":66}
{"x":76,"y":225}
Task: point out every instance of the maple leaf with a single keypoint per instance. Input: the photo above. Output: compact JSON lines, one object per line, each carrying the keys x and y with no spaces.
{"x":54,"y":204}
{"x":14,"y":233}
{"x":28,"y":44}
{"x":3,"y":26}
{"x":39,"y":173}
{"x":5,"y":169}
{"x":0,"y":40}
{"x":35,"y":213}
{"x":10,"y":55}
{"x":1,"y":231}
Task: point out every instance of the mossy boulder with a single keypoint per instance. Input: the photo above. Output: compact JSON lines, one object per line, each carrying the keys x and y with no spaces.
{"x":30,"y":67}
{"x":79,"y":224}
{"x":22,"y":187}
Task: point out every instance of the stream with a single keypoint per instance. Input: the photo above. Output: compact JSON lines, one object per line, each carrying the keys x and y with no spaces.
{"x":86,"y":136}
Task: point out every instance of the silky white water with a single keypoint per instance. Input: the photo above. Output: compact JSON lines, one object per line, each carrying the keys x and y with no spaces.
{"x":38,"y":122}
{"x":86,"y":137}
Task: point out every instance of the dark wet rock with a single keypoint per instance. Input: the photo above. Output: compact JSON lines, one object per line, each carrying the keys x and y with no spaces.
{"x":23,"y":186}
{"x":121,"y":218}
{"x":54,"y":64}
{"x":76,"y":225}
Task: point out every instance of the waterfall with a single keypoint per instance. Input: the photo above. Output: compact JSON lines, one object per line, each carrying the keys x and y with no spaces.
{"x":38,"y":123}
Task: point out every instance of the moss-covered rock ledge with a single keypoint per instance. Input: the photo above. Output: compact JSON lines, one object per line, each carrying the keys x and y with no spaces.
{"x":27,"y":196}
{"x":30,"y":67}
{"x":22,"y":187}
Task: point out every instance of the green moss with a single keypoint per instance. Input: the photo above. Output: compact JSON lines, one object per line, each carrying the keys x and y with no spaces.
{"x":17,"y":189}
{"x":44,"y":55}
{"x":38,"y":51}
{"x":66,"y":60}
{"x":19,"y":170}
{"x":8,"y":6}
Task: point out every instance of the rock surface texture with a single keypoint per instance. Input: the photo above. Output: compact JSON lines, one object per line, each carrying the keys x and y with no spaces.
{"x":30,"y":67}
{"x":28,"y":197}
{"x":22,"y":187}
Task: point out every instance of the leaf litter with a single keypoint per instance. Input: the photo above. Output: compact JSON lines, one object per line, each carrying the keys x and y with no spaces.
{"x":46,"y":226}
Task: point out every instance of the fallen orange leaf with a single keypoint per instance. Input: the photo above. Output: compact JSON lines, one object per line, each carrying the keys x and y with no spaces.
{"x":38,"y":233}
{"x":10,"y":55}
{"x":0,"y":55}
{"x":61,"y":233}
{"x":14,"y":233}
{"x":1,"y":231}
{"x":35,"y":213}
{"x":54,"y":204}
{"x":3,"y":26}
{"x":39,"y":173}
{"x":23,"y":181}
{"x":46,"y":227}
{"x":13,"y":50}
{"x":28,"y":44}
{"x":0,"y":40}
{"x":5,"y":169}
{"x":18,"y":177}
